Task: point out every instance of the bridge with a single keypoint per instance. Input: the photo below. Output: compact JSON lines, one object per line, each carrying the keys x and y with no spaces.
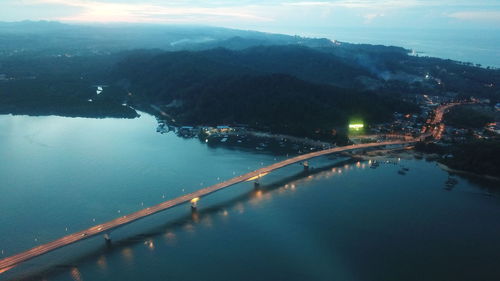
{"x":105,"y":228}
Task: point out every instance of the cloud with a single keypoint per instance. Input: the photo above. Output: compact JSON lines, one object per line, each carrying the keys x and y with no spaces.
{"x":370,"y":17}
{"x":99,"y":11}
{"x":366,"y":4}
{"x":269,"y":15}
{"x":374,"y":4}
{"x":490,"y":16}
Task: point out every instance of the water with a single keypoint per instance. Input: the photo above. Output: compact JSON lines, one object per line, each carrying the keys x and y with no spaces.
{"x":477,"y":46}
{"x":344,"y":221}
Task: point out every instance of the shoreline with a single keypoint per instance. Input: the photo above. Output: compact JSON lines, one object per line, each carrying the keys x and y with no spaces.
{"x":455,"y":171}
{"x":411,"y":154}
{"x":301,"y":140}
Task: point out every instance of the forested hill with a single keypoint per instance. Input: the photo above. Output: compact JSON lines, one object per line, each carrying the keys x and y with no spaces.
{"x":386,"y":70}
{"x":302,"y":62}
{"x":282,"y":103}
{"x":264,"y":87}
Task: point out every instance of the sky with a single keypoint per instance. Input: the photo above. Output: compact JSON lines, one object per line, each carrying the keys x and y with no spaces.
{"x":306,"y":17}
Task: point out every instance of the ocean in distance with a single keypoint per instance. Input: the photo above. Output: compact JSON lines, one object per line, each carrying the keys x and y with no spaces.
{"x":467,"y":45}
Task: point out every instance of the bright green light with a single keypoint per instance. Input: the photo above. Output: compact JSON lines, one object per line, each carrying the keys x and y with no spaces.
{"x":356,"y":126}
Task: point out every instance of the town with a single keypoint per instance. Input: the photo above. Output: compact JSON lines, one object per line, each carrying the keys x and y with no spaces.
{"x":404,"y":126}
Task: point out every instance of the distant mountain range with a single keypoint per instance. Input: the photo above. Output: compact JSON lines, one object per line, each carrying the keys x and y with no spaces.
{"x":48,"y":38}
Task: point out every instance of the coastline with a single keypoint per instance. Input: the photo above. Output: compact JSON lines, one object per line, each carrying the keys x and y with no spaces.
{"x":455,"y":171}
{"x":302,"y":140}
{"x":381,"y":155}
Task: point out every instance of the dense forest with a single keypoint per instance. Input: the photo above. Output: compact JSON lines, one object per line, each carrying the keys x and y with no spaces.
{"x":469,"y":117}
{"x":263,"y":91}
{"x":283,"y":104}
{"x":72,"y":98}
{"x":481,"y":157}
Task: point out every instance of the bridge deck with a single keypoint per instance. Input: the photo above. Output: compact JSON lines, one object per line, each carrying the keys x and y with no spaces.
{"x":10,"y":262}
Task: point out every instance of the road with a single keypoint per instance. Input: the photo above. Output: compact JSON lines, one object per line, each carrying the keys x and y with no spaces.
{"x":10,"y":262}
{"x":437,"y":131}
{"x":440,"y":111}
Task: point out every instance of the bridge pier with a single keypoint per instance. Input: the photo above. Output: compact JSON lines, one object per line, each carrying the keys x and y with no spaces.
{"x":256,"y":184}
{"x":306,"y":165}
{"x":107,"y":238}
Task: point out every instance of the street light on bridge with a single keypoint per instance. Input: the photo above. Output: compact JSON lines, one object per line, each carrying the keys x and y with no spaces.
{"x":194,"y":202}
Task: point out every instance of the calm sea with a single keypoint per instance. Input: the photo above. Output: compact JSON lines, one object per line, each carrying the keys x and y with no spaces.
{"x":476,"y":46}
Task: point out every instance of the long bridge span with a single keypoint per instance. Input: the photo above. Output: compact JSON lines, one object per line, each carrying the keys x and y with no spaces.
{"x":104,"y":228}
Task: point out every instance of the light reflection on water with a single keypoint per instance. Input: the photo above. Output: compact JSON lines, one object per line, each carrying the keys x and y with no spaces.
{"x":75,"y":274}
{"x":208,"y":221}
{"x":201,"y":217}
{"x":101,"y":262}
{"x":254,"y":198}
{"x":128,"y":255}
{"x":169,"y":235}
{"x":150,"y":244}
